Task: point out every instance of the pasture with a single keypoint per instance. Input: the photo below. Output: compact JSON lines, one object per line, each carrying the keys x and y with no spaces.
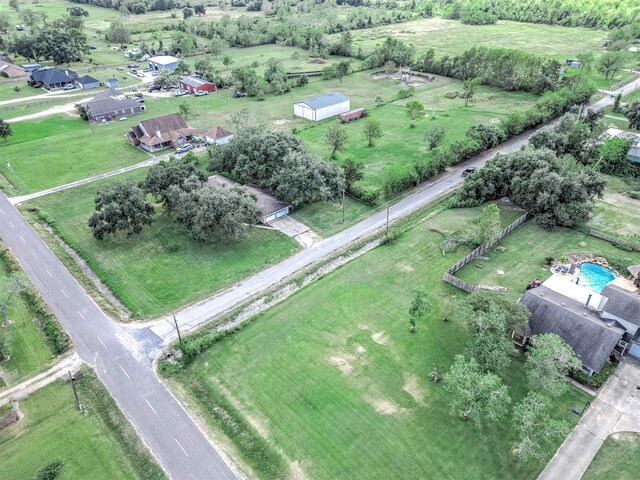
{"x":162,"y":268}
{"x":338,"y":387}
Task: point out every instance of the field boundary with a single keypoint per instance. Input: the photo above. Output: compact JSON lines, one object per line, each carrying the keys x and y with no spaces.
{"x":614,"y":240}
{"x":449,"y":276}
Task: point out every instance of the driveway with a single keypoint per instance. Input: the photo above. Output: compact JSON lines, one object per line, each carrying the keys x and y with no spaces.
{"x":616,"y":409}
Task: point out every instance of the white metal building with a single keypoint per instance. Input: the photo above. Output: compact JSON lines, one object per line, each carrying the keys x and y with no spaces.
{"x":324,"y":106}
{"x":164,"y":62}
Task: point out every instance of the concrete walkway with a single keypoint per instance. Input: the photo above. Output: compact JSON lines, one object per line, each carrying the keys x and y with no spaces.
{"x":59,"y":370}
{"x":617,"y":409}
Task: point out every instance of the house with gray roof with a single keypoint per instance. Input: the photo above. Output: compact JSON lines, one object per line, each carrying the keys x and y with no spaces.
{"x":623,"y":306}
{"x":592,"y":335}
{"x":272,"y":207}
{"x":88,"y":82}
{"x":53,"y":78}
{"x":110,"y":104}
{"x":324,"y":106}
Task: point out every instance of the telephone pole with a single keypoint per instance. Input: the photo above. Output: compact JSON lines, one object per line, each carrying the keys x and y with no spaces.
{"x":175,"y":322}
{"x":75,"y":393}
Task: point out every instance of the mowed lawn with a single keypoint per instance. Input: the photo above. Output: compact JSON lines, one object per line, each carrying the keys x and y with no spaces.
{"x":618,"y":457}
{"x":86,"y":443}
{"x":30,"y":353}
{"x":334,"y":380}
{"x":60,"y":149}
{"x":616,"y":213}
{"x":163,"y":268}
{"x":449,"y":37}
{"x":526,"y":250}
{"x":400,"y":144}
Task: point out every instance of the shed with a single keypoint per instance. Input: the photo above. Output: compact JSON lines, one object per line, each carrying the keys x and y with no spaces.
{"x":591,"y":338}
{"x":112,"y":82}
{"x":353,"y":114}
{"x":270,"y":205}
{"x":324,"y":106}
{"x":32,"y":67}
{"x":88,"y":82}
{"x":194,"y":84}
{"x":218,"y":135}
{"x":164,"y":62}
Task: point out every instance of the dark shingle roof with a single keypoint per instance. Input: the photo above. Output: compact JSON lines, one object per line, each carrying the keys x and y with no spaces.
{"x":104,"y":104}
{"x":87,"y":79}
{"x":49,"y":76}
{"x":267,"y":202}
{"x":166,"y":123}
{"x":325,"y":100}
{"x":622,"y":303}
{"x":591,"y":338}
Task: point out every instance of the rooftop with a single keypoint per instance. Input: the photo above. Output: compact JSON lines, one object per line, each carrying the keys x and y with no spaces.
{"x":194,"y":82}
{"x":267,"y":202}
{"x":164,"y":59}
{"x":325,"y":100}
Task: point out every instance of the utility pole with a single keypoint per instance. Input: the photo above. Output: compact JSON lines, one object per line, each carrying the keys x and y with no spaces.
{"x":387,"y":232}
{"x":73,"y":385}
{"x":343,"y":205}
{"x":175,"y":322}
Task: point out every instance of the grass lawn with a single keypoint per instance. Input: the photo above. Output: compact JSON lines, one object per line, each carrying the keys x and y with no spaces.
{"x":162,"y":268}
{"x":616,"y":213}
{"x":30,"y":353}
{"x":616,"y":458}
{"x":60,"y":149}
{"x":400,"y":144}
{"x":449,"y":37}
{"x":527,"y":247}
{"x":98,"y":444}
{"x":325,"y":218}
{"x":334,"y":381}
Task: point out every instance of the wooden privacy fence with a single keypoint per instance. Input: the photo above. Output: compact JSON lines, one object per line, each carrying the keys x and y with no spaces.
{"x":478,"y":252}
{"x":614,"y":240}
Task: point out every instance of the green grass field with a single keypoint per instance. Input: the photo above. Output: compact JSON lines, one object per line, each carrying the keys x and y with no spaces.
{"x":99,"y":444}
{"x":449,"y":37}
{"x":163,"y":268}
{"x":325,"y":218}
{"x":334,"y":381}
{"x":527,"y":247}
{"x":616,"y":213}
{"x":30,"y":353}
{"x":400,"y":144}
{"x":617,"y":457}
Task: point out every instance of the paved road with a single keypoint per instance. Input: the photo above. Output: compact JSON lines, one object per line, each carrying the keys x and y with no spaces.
{"x":119,"y":357}
{"x":617,"y":409}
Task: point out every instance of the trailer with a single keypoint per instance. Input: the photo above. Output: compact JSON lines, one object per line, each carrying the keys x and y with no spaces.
{"x":353,"y":115}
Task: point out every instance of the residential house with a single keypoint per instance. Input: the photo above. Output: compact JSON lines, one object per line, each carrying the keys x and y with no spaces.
{"x":53,"y":78}
{"x":8,"y":69}
{"x":324,"y":106}
{"x":88,"y":82}
{"x":218,"y":135}
{"x":110,"y":104}
{"x":164,"y":62}
{"x":634,"y":151}
{"x":160,"y":133}
{"x":194,"y":85}
{"x":112,"y":82}
{"x":623,"y":306}
{"x":272,"y":207}
{"x":591,"y":337}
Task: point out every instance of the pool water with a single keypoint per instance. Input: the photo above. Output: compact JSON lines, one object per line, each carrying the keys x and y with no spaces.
{"x":595,"y":276}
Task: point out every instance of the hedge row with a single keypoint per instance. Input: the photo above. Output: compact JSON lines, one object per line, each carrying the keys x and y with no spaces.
{"x":56,"y":337}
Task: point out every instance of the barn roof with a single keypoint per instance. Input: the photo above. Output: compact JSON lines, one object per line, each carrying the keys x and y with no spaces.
{"x":622,"y":303}
{"x":323,"y":101}
{"x":164,"y":59}
{"x":267,"y":202}
{"x":194,"y":82}
{"x":591,"y":338}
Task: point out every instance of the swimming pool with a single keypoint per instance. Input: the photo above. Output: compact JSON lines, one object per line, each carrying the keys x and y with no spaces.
{"x":595,"y":276}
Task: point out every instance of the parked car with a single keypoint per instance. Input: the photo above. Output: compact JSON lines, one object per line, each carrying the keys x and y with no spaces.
{"x":155,"y":73}
{"x":119,"y":68}
{"x":131,"y":66}
{"x":69,"y":87}
{"x":201,"y":94}
{"x":140,"y":100}
{"x":136,"y":65}
{"x":153,"y":88}
{"x":133,"y":72}
{"x":467,"y":171}
{"x":93,"y":47}
{"x":139,"y":74}
{"x":139,"y":94}
{"x":184,"y":149}
{"x":239,"y":95}
{"x":122,"y":118}
{"x":180,"y":93}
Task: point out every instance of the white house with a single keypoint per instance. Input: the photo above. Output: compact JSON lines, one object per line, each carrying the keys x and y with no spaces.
{"x":164,"y":62}
{"x":324,"y":106}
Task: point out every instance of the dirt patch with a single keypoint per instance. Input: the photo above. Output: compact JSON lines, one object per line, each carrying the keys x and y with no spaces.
{"x":412,"y":387}
{"x":379,"y":338}
{"x":360,"y":349}
{"x":385,"y":407}
{"x":343,"y":362}
{"x":408,"y":78}
{"x":296,"y":471}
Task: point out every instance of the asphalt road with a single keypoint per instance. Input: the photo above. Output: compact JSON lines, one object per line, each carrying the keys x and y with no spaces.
{"x":119,"y":357}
